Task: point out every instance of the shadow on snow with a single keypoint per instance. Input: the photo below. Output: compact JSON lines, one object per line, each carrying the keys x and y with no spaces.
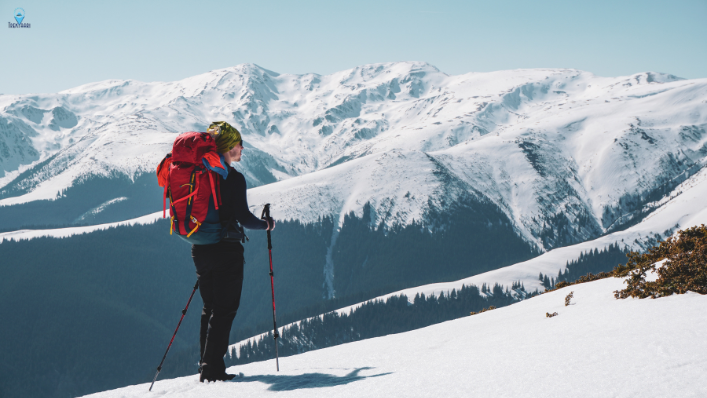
{"x":307,"y":380}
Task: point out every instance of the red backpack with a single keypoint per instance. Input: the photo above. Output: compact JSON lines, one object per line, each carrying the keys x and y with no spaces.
{"x":190,"y":177}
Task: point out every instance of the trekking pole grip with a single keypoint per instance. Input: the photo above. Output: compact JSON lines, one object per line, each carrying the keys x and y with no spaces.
{"x":266,"y":216}
{"x":266,"y":212}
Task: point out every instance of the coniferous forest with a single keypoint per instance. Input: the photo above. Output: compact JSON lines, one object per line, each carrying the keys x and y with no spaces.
{"x":95,"y":311}
{"x":590,"y":262}
{"x":69,"y":208}
{"x":373,"y":319}
{"x":104,"y":305}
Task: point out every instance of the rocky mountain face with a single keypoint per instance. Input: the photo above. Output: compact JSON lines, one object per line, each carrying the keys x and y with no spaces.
{"x":565,"y":155}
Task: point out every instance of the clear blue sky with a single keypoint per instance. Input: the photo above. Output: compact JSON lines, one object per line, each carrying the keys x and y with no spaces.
{"x":76,"y":42}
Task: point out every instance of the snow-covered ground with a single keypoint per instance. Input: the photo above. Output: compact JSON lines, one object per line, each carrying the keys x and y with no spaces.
{"x":596,"y":347}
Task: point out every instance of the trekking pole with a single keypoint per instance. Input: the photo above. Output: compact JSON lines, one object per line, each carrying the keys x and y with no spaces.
{"x":184,"y":312}
{"x":266,"y":216}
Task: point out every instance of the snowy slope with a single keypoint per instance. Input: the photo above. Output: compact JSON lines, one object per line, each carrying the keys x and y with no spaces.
{"x":27,"y":234}
{"x":565,"y":154}
{"x":596,"y":347}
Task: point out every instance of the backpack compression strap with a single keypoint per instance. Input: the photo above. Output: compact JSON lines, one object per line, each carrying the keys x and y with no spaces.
{"x":188,"y":196}
{"x":194,"y":184}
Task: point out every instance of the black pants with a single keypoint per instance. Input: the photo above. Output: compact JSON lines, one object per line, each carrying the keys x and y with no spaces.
{"x":219,"y":268}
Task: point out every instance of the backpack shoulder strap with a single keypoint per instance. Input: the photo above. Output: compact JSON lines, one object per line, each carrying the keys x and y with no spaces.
{"x":163,"y":171}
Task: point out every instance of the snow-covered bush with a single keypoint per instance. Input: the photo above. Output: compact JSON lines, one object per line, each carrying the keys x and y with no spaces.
{"x":685,"y":268}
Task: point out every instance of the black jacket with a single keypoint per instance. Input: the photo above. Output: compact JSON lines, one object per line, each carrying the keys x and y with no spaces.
{"x":234,"y":202}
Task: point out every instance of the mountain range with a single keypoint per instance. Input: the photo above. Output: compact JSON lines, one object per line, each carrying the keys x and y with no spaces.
{"x":565,"y":155}
{"x":386,"y":179}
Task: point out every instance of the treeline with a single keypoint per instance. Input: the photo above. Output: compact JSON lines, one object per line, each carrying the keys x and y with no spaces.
{"x":72,"y":204}
{"x":559,"y":231}
{"x":373,"y":319}
{"x":591,"y":261}
{"x":469,"y":238}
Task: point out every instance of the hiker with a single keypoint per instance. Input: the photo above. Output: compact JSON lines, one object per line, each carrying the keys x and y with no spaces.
{"x":209,"y":209}
{"x":219,"y":266}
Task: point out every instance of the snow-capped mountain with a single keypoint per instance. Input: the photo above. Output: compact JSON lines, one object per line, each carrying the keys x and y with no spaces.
{"x":566,"y":155}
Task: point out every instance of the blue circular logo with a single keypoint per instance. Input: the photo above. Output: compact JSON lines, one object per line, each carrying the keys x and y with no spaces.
{"x":19,"y":15}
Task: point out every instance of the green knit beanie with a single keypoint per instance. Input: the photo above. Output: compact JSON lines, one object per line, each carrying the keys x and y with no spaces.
{"x":226,"y":136}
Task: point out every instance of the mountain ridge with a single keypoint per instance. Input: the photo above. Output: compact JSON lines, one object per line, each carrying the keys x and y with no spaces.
{"x":567,"y":155}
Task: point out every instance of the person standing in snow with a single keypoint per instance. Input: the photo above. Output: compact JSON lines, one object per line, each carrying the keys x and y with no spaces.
{"x":219,"y":266}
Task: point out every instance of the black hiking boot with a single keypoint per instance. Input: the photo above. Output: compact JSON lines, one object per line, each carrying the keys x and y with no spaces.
{"x":221,"y":377}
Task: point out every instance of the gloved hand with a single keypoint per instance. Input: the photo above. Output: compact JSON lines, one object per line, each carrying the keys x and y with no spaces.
{"x":271,"y":223}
